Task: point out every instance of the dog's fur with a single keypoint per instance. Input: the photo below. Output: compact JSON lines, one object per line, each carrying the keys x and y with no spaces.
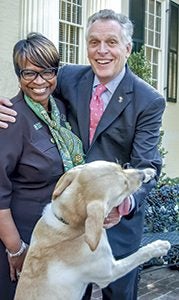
{"x":69,"y":247}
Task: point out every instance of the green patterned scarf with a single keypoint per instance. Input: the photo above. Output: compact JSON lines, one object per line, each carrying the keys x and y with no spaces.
{"x":68,"y":144}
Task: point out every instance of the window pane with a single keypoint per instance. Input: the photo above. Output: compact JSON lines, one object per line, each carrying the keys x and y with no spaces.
{"x":74,"y":20}
{"x":157,"y":40}
{"x":158,"y":24}
{"x":72,"y":53}
{"x":72,"y":35}
{"x":148,"y":53}
{"x":151,"y":6}
{"x":150,"y":37}
{"x":62,"y":10}
{"x":151,"y":22}
{"x":155,"y":56}
{"x":61,"y":32}
{"x":155,"y":71}
{"x":68,"y":12}
{"x":158,"y":9}
{"x":62,"y":51}
{"x":69,"y":34}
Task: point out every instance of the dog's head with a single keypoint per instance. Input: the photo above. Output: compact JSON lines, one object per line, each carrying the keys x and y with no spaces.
{"x":86,"y":194}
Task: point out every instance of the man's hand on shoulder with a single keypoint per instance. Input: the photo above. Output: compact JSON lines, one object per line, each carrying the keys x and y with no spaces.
{"x":6,"y":113}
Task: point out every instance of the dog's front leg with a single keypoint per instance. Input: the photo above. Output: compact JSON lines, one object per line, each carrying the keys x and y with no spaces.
{"x":125,"y":265}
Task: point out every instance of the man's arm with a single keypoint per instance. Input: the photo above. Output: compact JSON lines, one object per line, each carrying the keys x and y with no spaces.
{"x":145,"y":153}
{"x":6,"y":113}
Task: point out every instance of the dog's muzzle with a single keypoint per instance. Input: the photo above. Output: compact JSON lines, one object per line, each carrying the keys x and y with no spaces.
{"x":147,"y":174}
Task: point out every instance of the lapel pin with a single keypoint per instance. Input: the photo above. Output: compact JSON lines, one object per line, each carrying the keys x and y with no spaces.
{"x":37,"y":126}
{"x":120,"y":100}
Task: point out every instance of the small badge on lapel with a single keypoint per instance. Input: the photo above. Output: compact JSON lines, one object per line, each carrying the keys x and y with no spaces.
{"x":120,"y":99}
{"x":63,"y":117}
{"x":37,"y":126}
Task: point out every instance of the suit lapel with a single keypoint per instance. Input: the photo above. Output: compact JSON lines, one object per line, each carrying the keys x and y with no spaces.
{"x":120,"y":99}
{"x":84,"y":93}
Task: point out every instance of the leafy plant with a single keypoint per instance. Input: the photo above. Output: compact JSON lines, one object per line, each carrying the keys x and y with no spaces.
{"x":162,"y":215}
{"x":162,"y":203}
{"x":162,"y":209}
{"x":164,"y":179}
{"x":140,"y":65}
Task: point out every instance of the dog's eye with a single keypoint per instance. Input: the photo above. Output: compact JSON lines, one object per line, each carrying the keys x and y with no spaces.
{"x":126,"y":183}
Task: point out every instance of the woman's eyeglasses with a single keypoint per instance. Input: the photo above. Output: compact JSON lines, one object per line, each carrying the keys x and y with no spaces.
{"x":46,"y":74}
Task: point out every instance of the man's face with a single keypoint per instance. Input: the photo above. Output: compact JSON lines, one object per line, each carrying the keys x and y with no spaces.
{"x":107,"y":52}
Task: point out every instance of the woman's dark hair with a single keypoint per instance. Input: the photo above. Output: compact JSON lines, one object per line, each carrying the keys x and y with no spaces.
{"x":38,"y":50}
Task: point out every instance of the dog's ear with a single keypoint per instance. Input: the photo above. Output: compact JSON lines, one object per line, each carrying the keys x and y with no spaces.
{"x":65,"y":181}
{"x":94,"y":223}
{"x":62,"y":184}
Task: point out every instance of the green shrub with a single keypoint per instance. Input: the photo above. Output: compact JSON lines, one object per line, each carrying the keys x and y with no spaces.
{"x":162,"y":209}
{"x":140,"y":65}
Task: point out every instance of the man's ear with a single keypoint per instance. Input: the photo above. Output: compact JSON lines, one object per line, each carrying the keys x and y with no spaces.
{"x":94,"y":223}
{"x":129,"y":50}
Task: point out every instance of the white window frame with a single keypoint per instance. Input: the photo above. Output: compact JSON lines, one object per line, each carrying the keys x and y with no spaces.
{"x":70,"y":50}
{"x":152,"y":48}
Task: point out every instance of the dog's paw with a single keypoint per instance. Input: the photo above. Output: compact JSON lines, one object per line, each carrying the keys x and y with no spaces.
{"x":149,"y":174}
{"x":159,"y":248}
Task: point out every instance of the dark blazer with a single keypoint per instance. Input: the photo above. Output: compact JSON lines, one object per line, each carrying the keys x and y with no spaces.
{"x":30,"y":166}
{"x":128,"y":132}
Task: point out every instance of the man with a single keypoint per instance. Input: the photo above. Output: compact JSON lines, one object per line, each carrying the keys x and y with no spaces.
{"x":128,"y":131}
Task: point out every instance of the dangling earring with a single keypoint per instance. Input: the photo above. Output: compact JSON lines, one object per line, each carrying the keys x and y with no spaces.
{"x":19,"y":84}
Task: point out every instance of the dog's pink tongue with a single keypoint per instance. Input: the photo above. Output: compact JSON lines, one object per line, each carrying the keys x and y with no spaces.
{"x":124,"y":207}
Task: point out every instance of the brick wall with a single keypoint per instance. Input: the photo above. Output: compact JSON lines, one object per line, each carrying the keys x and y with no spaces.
{"x":9,"y":34}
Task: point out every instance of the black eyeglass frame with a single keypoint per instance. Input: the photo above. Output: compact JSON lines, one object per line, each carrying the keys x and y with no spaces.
{"x":36,"y":74}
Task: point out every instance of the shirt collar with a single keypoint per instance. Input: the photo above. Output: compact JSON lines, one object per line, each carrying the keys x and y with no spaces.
{"x":111,"y":85}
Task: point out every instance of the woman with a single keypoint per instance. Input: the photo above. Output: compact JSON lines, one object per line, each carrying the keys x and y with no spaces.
{"x":35,"y":152}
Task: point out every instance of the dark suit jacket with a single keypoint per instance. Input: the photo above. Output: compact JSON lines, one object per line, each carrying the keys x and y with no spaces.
{"x":128,"y":132}
{"x":30,"y":166}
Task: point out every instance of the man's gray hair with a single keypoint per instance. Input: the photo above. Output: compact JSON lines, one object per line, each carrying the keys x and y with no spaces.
{"x":107,"y":15}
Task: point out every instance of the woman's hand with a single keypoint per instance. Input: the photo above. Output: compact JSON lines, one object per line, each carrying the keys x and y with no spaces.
{"x":15,"y":265}
{"x":6,"y":114}
{"x":16,"y":249}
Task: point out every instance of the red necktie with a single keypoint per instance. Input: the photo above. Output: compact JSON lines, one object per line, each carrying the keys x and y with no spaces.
{"x":96,"y":109}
